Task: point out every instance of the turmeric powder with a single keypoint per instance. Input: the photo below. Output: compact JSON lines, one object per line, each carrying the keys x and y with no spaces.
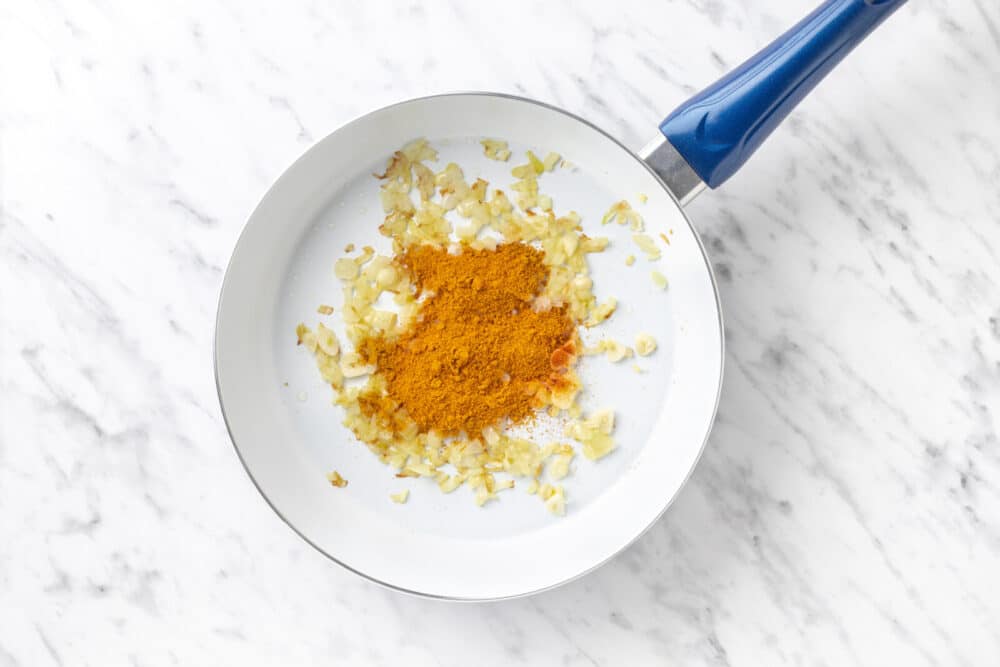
{"x":478,"y":352}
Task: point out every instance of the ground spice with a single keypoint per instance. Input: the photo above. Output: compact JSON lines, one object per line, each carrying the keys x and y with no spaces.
{"x":478,"y":352}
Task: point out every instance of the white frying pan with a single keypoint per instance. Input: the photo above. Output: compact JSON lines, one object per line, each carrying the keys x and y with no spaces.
{"x":278,"y":411}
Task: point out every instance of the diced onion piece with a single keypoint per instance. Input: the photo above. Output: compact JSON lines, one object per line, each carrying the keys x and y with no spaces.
{"x":536,"y":165}
{"x":394,"y":199}
{"x":352,"y":366}
{"x":556,"y":502}
{"x":596,"y":244}
{"x":384,"y":320}
{"x":327,"y":340}
{"x":450,"y":483}
{"x":336,"y":480}
{"x":564,"y":394}
{"x":345,"y":268}
{"x":594,"y":433}
{"x":612,"y":212}
{"x":386,"y":277}
{"x":491,"y":436}
{"x":598,"y":446}
{"x":495,"y":149}
{"x":305,"y":337}
{"x":616,"y":351}
{"x":602,"y":312}
{"x":484,"y":495}
{"x":645,"y":345}
{"x":558,"y":467}
{"x":647,"y":245}
{"x":425,"y":180}
{"x":329,"y":369}
{"x":602,"y":420}
{"x":622,"y":213}
{"x":418,"y":150}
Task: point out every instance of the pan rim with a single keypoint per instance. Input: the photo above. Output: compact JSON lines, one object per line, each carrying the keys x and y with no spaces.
{"x":669,"y":501}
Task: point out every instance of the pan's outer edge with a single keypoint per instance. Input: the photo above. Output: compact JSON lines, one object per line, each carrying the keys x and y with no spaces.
{"x":694,"y":463}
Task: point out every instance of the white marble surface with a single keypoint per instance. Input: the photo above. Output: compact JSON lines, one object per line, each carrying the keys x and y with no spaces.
{"x":847,"y":508}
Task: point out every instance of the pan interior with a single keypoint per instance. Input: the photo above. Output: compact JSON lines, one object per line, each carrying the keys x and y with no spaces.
{"x":289,"y":435}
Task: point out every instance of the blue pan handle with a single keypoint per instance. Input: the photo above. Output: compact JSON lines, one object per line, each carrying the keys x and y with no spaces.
{"x":718,"y":129}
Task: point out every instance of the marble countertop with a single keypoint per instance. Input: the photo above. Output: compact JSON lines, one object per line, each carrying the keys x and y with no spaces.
{"x":847,"y":509}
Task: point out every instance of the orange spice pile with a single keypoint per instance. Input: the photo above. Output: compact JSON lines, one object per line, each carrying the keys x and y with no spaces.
{"x":479,"y":351}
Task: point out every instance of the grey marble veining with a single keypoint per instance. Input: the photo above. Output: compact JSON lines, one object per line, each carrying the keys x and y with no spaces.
{"x":847,"y":509}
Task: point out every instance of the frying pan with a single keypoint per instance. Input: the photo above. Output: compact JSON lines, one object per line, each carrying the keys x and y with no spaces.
{"x":278,"y":411}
